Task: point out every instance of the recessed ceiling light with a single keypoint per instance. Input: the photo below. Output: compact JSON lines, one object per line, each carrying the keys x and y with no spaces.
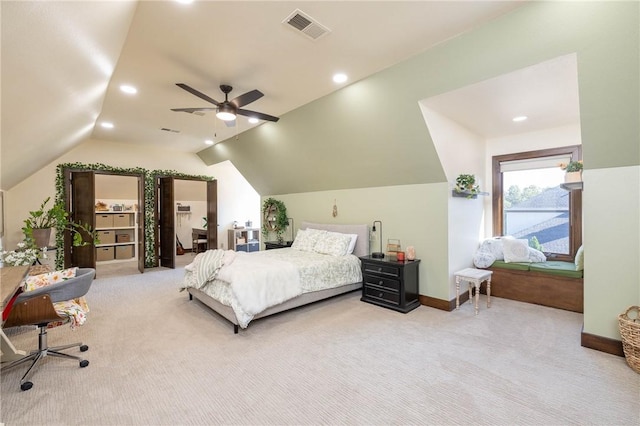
{"x":185,"y":1}
{"x":339,"y":78}
{"x":253,"y":120}
{"x":128,"y":89}
{"x":107,"y":125}
{"x":208,"y":142}
{"x":520,"y":118}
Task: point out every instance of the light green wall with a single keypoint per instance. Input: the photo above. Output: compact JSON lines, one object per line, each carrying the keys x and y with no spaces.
{"x":371,"y":133}
{"x":612,"y":249}
{"x":414,"y":214}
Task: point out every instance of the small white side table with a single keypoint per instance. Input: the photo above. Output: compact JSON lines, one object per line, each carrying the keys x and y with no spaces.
{"x":473,"y":277}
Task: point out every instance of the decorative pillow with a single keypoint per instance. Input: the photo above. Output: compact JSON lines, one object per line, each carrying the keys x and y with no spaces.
{"x":352,"y":244}
{"x":515,"y":250}
{"x":37,"y":281}
{"x":333,"y":243}
{"x":579,"y":260}
{"x":536,"y":256}
{"x":306,"y":239}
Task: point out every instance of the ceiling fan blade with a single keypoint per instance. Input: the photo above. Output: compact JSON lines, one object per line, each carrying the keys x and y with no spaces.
{"x":247,"y":98}
{"x":258,"y":115}
{"x":198,"y":94}
{"x":192,"y":110}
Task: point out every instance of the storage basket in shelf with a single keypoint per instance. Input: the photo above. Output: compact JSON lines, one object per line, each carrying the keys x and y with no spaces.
{"x":630,"y":333}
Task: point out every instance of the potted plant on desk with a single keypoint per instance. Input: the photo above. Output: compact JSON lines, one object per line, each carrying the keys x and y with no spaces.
{"x":37,"y":227}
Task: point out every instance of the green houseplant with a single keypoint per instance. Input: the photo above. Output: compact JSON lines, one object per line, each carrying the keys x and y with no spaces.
{"x":274,"y":218}
{"x":37,"y":226}
{"x":466,"y":184}
{"x":572,"y":166}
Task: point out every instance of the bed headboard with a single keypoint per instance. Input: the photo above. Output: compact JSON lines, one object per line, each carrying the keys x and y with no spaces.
{"x":362,"y":243}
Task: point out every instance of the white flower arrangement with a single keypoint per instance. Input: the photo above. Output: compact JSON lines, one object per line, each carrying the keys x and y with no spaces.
{"x":23,"y":256}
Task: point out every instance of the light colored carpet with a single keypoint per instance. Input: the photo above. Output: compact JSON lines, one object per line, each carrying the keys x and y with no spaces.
{"x":159,"y":359}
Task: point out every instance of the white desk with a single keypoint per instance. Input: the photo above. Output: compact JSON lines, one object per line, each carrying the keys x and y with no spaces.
{"x":473,"y":277}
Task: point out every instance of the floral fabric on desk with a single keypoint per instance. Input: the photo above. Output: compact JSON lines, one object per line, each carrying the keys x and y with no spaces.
{"x":76,"y":310}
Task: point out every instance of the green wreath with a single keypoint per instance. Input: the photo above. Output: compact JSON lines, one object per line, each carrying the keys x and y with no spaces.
{"x":274,"y":218}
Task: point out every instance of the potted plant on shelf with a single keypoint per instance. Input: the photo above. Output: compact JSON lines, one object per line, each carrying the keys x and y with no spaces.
{"x":466,"y":185}
{"x":573,"y":171}
{"x":274,"y":218}
{"x":37,"y":227}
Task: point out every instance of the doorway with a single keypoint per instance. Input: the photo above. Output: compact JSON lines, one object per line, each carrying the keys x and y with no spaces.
{"x":184,"y":205}
{"x":112,"y":204}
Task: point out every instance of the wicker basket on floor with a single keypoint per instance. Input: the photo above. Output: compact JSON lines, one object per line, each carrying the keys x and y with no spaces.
{"x":630,"y":333}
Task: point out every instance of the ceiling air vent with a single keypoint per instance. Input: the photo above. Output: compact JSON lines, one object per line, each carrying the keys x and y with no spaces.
{"x":303,"y":23}
{"x":170,"y":130}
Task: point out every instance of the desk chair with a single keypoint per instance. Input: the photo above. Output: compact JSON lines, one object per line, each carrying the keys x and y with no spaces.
{"x":197,"y":242}
{"x":36,"y":308}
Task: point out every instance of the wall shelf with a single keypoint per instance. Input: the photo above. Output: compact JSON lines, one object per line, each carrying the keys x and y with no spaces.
{"x":466,"y":194}
{"x":571,"y":186}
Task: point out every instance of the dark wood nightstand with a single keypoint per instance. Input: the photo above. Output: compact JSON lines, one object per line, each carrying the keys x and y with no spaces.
{"x":391,"y":284}
{"x":276,"y":245}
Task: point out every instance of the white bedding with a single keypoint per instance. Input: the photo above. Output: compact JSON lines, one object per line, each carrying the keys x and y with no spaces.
{"x":253,"y":282}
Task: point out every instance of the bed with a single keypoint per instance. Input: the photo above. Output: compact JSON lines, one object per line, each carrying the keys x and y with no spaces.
{"x":242,"y":287}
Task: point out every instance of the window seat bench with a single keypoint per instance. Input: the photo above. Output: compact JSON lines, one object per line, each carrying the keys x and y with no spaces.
{"x":553,"y":283}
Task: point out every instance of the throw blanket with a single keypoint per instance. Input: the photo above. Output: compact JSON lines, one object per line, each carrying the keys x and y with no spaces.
{"x":205,"y":267}
{"x":256,"y":282}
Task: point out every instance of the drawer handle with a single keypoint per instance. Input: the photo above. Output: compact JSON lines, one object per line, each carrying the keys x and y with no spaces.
{"x":380,"y":282}
{"x":379,"y":269}
{"x":380,"y":295}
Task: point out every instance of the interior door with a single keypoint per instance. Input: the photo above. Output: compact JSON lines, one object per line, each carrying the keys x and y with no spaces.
{"x":166,"y":223}
{"x":212,"y":214}
{"x":140,"y":230}
{"x":80,"y":205}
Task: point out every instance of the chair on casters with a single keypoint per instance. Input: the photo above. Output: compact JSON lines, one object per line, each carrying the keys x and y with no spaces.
{"x":35,"y":307}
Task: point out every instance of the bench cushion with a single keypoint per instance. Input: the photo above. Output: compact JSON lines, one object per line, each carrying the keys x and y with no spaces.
{"x":556,"y":267}
{"x":518,"y":266}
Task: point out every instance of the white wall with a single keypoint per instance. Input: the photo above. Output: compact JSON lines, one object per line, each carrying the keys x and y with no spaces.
{"x":461,"y":152}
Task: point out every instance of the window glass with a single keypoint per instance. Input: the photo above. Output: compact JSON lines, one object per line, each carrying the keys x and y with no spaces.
{"x":536,"y":208}
{"x":531,"y":203}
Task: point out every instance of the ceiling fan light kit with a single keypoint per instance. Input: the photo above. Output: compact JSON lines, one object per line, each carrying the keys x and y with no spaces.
{"x":226,"y":113}
{"x":229,"y":109}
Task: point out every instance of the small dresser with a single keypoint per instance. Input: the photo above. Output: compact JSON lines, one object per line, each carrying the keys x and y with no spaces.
{"x":389,"y":283}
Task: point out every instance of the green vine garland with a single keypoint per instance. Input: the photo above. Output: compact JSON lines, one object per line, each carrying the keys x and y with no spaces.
{"x":149,"y":201}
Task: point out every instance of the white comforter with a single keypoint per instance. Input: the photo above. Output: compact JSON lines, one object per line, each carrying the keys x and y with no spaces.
{"x":256,"y":282}
{"x":251,"y":282}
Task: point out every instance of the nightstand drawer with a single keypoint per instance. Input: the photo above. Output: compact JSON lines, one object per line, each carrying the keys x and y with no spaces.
{"x":385,"y":283}
{"x":372,"y":268}
{"x":381,"y":294}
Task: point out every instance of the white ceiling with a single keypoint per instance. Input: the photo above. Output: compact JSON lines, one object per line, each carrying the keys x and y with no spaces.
{"x":63,"y":63}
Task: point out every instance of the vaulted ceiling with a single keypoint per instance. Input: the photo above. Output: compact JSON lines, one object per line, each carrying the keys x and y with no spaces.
{"x":63,"y":64}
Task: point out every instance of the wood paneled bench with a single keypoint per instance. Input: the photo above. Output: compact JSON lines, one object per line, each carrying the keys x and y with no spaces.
{"x":553,"y":283}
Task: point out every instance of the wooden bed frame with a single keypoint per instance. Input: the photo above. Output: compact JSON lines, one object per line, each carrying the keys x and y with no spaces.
{"x":361,"y":249}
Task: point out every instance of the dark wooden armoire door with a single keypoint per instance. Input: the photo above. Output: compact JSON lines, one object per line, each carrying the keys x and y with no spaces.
{"x":80,"y":205}
{"x":166,"y":223}
{"x":141,"y":220}
{"x":212,"y":214}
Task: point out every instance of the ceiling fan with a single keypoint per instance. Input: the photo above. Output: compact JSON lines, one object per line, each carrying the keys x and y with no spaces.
{"x":229,"y":109}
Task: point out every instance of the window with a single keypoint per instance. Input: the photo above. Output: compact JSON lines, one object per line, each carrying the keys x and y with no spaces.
{"x":529,"y":203}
